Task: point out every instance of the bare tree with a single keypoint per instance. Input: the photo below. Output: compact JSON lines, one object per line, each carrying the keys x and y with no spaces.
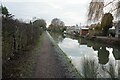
{"x":95,"y":10}
{"x":96,"y":7}
{"x":118,"y":9}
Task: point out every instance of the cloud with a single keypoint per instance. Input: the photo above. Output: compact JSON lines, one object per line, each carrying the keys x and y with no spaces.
{"x":70,"y":11}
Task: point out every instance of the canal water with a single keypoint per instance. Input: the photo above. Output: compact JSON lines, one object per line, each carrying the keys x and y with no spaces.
{"x":91,"y":59}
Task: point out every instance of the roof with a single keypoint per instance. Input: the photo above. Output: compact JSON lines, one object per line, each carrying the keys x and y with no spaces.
{"x":85,"y":28}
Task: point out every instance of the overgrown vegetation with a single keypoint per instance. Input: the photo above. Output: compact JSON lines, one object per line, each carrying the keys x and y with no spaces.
{"x":96,"y":13}
{"x":103,"y":27}
{"x":5,"y":12}
{"x":106,"y":23}
{"x":18,"y":38}
{"x":91,"y":69}
{"x":111,"y":71}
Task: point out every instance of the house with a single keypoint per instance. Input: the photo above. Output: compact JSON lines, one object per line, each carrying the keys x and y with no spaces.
{"x":72,"y":29}
{"x":84,"y":31}
{"x":117,"y":29}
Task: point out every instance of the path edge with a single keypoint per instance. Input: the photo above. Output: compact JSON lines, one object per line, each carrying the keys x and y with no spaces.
{"x":59,"y":51}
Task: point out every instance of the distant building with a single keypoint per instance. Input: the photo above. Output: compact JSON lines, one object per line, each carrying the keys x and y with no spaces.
{"x":72,"y":29}
{"x":84,"y":31}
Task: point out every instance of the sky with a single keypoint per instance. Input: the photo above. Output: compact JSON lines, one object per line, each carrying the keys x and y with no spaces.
{"x":71,"y":12}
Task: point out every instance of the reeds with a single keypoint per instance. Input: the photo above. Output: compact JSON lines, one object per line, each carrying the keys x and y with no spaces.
{"x":111,"y":71}
{"x":91,"y":70}
{"x":119,"y":73}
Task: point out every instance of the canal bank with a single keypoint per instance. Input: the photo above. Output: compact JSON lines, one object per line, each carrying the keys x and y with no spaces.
{"x":88,"y":55}
{"x":106,"y":40}
{"x":21,"y":65}
{"x":52,"y":62}
{"x":44,"y":60}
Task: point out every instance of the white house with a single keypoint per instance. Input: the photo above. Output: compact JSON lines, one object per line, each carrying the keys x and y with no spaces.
{"x":72,"y":29}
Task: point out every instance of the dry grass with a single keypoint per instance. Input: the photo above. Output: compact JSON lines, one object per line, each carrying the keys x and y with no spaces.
{"x":110,"y":70}
{"x":90,"y":69}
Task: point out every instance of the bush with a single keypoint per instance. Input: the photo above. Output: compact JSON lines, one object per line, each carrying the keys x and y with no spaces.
{"x":17,"y":37}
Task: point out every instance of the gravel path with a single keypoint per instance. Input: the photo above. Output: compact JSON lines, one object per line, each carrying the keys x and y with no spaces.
{"x":49,"y":64}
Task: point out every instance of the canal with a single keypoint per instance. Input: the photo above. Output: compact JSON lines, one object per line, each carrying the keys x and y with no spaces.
{"x":91,"y":59}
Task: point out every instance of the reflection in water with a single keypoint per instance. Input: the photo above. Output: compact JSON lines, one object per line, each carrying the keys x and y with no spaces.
{"x":116,"y":53}
{"x":82,"y":42}
{"x":103,"y":55}
{"x":57,"y":37}
{"x":78,"y":48}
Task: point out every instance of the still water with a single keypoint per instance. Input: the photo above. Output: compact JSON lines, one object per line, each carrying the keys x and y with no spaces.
{"x":105,"y":57}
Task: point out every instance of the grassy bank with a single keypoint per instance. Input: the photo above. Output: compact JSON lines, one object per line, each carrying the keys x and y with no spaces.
{"x":67,"y":62}
{"x":90,"y":68}
{"x":22,"y":67}
{"x":18,"y":42}
{"x":108,"y":41}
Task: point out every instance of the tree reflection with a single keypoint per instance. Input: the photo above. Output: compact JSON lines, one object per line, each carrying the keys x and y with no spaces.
{"x":103,"y":55}
{"x":57,"y":36}
{"x":96,"y":47}
{"x":82,"y":42}
{"x":116,"y":53}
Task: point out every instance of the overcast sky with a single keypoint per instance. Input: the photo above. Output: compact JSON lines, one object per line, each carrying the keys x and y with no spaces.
{"x":72,"y":12}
